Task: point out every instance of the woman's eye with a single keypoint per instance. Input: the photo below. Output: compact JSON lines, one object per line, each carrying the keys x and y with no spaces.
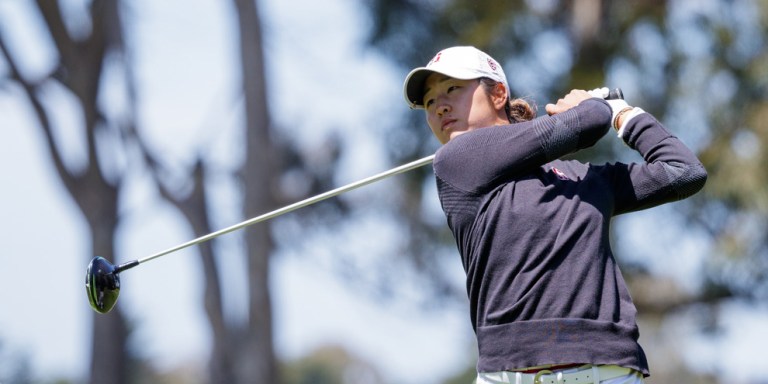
{"x":453,"y":88}
{"x":428,"y":103}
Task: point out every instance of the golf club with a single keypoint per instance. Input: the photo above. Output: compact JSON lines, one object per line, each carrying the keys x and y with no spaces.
{"x":102,"y":279}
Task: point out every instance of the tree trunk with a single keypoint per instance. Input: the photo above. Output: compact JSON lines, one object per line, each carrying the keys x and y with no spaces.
{"x":109,"y":332}
{"x":96,"y":188}
{"x":194,"y":207}
{"x":256,"y":360}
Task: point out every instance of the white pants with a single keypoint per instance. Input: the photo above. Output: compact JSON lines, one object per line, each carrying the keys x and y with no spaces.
{"x":508,"y":377}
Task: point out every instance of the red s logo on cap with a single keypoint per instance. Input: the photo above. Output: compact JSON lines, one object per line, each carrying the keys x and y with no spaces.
{"x":436,"y":58}
{"x":492,"y":64}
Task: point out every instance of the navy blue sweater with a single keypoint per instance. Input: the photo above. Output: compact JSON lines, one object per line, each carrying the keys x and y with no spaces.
{"x":533,"y":233}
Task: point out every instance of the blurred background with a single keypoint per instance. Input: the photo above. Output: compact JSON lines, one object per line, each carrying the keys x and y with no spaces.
{"x":130,"y":126}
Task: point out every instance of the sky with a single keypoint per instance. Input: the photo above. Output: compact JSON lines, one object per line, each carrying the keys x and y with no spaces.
{"x":43,"y":307}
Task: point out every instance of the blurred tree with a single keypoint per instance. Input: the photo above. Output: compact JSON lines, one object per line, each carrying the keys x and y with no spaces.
{"x":81,"y":52}
{"x":90,"y":54}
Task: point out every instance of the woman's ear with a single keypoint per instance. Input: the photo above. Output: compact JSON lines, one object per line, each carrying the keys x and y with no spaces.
{"x":499,"y":96}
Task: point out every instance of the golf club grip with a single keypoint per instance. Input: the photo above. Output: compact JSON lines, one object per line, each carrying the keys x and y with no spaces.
{"x":615,"y":94}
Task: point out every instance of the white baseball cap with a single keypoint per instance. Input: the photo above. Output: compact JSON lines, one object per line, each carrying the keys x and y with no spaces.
{"x":464,"y":63}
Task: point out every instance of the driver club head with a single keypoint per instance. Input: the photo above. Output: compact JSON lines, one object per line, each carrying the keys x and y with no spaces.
{"x":102,"y":284}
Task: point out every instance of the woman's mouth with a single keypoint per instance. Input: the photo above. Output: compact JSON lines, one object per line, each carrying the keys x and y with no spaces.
{"x":445,"y":123}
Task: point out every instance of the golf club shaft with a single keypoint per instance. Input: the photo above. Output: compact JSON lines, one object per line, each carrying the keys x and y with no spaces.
{"x":281,"y":211}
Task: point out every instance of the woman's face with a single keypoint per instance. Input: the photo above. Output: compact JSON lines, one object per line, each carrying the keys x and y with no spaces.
{"x":455,"y":107}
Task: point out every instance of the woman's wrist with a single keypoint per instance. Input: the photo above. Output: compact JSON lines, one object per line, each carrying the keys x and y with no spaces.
{"x":618,"y":120}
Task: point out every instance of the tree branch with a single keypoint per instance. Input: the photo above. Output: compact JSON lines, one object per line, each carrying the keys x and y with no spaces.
{"x":30,"y":91}
{"x":57,"y":29}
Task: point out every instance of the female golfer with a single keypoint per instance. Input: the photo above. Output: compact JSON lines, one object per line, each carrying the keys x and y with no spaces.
{"x":548,"y":302}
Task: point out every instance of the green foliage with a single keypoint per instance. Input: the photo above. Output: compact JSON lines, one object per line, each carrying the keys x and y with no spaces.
{"x":329,"y":365}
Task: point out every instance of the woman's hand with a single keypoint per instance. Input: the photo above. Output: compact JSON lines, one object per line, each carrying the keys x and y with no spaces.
{"x":570,"y":100}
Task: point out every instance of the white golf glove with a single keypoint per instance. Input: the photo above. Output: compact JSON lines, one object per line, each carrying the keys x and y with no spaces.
{"x":618,"y":107}
{"x":600,"y":92}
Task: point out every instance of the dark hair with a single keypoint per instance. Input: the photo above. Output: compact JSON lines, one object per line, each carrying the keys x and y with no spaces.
{"x":518,"y":110}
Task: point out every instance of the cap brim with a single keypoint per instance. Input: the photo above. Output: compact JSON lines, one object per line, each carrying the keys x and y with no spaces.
{"x":414,"y":86}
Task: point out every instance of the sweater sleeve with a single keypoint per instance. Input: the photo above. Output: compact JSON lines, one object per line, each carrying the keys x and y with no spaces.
{"x":477,"y":161}
{"x":670,"y":172}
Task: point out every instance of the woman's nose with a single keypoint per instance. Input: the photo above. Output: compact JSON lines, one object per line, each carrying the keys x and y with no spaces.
{"x":443,"y":108}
